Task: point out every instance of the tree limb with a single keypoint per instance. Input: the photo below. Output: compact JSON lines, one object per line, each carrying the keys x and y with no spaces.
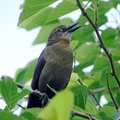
{"x":76,"y":113}
{"x":95,"y":91}
{"x":111,"y":95}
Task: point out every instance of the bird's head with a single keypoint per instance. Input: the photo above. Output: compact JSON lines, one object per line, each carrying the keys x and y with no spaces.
{"x":62,"y":31}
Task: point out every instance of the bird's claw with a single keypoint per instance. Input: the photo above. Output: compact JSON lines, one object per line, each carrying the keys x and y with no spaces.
{"x":44,"y":99}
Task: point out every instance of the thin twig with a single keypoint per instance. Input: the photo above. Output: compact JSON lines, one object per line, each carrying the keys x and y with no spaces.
{"x":76,"y":113}
{"x":113,"y":73}
{"x":35,"y":92}
{"x":111,"y":95}
{"x":91,"y":94}
{"x":20,"y":86}
{"x":96,"y":14}
{"x":21,"y":106}
{"x":102,"y":89}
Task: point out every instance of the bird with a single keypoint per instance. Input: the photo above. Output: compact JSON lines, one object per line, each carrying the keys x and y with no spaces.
{"x":54,"y":66}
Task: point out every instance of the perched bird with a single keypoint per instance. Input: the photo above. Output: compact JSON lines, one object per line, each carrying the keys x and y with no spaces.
{"x":54,"y":65}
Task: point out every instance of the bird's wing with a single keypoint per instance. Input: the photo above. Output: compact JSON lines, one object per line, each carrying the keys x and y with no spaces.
{"x":38,"y":69}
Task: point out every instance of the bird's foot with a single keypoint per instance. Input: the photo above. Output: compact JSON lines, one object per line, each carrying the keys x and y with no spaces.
{"x":44,"y":99}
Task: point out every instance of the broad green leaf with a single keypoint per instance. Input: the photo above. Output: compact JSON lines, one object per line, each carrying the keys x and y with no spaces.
{"x":115,"y":52}
{"x":87,"y":52}
{"x":65,"y":7}
{"x":24,"y":74}
{"x":101,"y":64}
{"x":79,"y":68}
{"x":73,"y":44}
{"x":9,"y":92}
{"x":73,"y":79}
{"x":104,"y":6}
{"x":9,"y":116}
{"x":118,"y":97}
{"x":83,"y":34}
{"x":108,"y":110}
{"x":31,"y":114}
{"x":36,"y":20}
{"x":34,"y":13}
{"x":108,"y":36}
{"x":103,"y":116}
{"x":80,"y":95}
{"x":59,"y":107}
{"x":90,"y":108}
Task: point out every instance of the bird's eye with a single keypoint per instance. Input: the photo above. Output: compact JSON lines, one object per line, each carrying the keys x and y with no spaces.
{"x":61,"y":29}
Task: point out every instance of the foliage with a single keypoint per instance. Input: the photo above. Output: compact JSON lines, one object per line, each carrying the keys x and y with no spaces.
{"x":88,"y":53}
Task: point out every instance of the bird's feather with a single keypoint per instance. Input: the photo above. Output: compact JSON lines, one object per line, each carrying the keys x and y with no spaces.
{"x":33,"y":100}
{"x":37,"y":72}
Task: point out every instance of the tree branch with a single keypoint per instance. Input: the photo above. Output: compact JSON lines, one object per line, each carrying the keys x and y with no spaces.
{"x":35,"y":92}
{"x":111,"y":95}
{"x":76,"y":113}
{"x":92,"y":94}
{"x":102,"y":89}
{"x":113,"y":73}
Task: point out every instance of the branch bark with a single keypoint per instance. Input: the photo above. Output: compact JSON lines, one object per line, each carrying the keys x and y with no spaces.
{"x":76,"y":113}
{"x":110,"y":93}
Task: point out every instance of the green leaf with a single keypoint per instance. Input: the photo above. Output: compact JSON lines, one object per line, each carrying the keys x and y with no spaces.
{"x":108,"y":36}
{"x":84,"y":34}
{"x":100,"y":64}
{"x":34,"y":13}
{"x":103,"y":116}
{"x":61,"y":9}
{"x":36,"y":20}
{"x":104,"y":6}
{"x":73,"y":79}
{"x":108,"y":110}
{"x":80,"y":94}
{"x":59,"y":107}
{"x":31,"y":114}
{"x":73,"y":44}
{"x":9,"y":92}
{"x":90,"y":107}
{"x":9,"y":116}
{"x":24,"y":74}
{"x":87,"y":52}
{"x":115,"y":52}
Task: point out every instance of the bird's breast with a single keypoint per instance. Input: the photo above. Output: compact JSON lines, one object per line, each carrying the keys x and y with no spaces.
{"x":58,"y":53}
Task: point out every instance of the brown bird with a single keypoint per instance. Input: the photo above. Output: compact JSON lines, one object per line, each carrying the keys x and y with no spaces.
{"x":54,"y":65}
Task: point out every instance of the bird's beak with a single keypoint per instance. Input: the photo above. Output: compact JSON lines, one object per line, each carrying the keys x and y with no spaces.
{"x":71,"y":28}
{"x":68,"y":31}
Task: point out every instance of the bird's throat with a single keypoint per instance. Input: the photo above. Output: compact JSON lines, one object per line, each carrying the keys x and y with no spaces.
{"x":64,"y":41}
